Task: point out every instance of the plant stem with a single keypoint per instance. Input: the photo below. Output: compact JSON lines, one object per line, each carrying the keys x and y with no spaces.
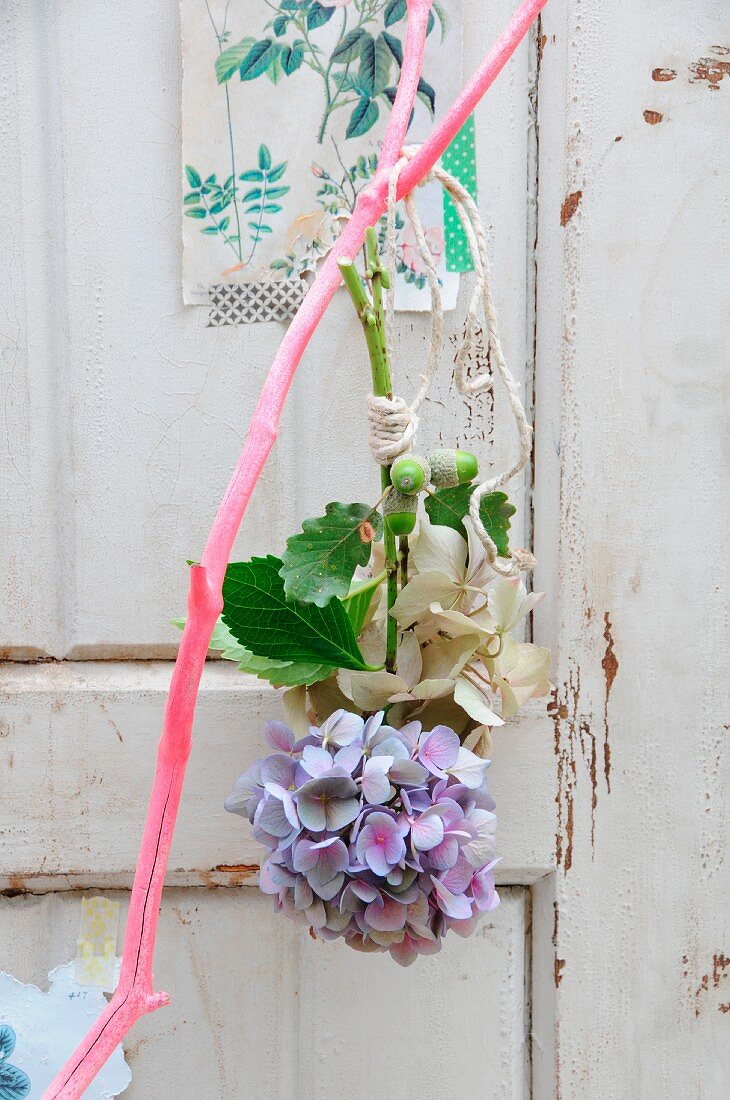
{"x":372,"y":319}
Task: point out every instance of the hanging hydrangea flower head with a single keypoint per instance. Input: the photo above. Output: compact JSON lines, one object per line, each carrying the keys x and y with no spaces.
{"x":382,"y":837}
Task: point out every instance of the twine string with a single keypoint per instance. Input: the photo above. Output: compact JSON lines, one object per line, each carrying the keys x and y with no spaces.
{"x":393,"y":422}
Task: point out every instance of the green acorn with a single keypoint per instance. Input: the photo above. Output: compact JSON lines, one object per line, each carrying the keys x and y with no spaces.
{"x":410,"y":473}
{"x":449,"y":468}
{"x":399,"y":511}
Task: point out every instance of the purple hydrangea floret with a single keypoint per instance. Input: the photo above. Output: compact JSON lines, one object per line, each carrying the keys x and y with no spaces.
{"x":382,"y":837}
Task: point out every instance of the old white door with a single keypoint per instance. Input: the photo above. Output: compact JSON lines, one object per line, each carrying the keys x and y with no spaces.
{"x":603,"y":176}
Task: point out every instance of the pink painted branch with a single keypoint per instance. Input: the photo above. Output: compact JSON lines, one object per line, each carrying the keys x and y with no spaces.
{"x":134,"y":996}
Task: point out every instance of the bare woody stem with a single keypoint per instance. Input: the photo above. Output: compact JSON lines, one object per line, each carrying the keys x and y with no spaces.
{"x":134,"y":995}
{"x":371,"y":317}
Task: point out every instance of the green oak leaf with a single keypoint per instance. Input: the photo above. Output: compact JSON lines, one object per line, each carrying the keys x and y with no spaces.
{"x":447,"y":508}
{"x":319,"y":563}
{"x":260,"y":617}
{"x":278,"y":673}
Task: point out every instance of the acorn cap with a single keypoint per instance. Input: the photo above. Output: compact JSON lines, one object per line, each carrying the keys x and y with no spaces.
{"x":399,"y":502}
{"x":444,"y":471}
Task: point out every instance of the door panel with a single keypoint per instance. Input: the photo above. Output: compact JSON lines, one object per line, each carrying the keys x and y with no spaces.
{"x":261,"y":1010}
{"x":125,"y":413}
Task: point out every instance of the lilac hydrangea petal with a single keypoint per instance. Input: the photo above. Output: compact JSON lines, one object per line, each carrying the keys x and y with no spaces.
{"x":327,"y":890}
{"x":365,"y":891}
{"x":458,"y":877}
{"x":408,"y":771}
{"x":341,"y":812}
{"x":404,"y":895}
{"x":380,"y":843}
{"x":267,"y":885}
{"x":389,"y":917}
{"x":466,"y":927}
{"x":445,"y":854}
{"x":317,"y":914}
{"x":337,"y":921}
{"x":316,"y":761}
{"x":320,"y":862}
{"x":386,"y":939}
{"x":287,"y":801}
{"x":271,"y":817}
{"x":341,"y":728}
{"x":419,"y":798}
{"x":483,"y":889}
{"x":457,"y":906}
{"x":375,"y":785}
{"x":392,"y":747}
{"x":404,"y":953}
{"x":427,"y":831}
{"x":311,"y":813}
{"x":279,"y":736}
{"x":409,"y":735}
{"x":329,"y":787}
{"x":371,"y":728}
{"x":348,"y":757}
{"x":439,"y":750}
{"x":303,"y":893}
{"x":278,"y":768}
{"x":247,"y":793}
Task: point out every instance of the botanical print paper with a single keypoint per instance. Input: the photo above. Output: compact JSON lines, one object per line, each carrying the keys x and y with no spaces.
{"x":284,"y":105}
{"x":39,"y":1031}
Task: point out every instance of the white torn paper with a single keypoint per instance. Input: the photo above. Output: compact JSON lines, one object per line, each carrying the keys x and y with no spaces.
{"x":38,"y":1032}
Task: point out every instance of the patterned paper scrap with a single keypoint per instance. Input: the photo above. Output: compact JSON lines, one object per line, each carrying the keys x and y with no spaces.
{"x":460,"y":160}
{"x":96,"y":946}
{"x":285,"y":103}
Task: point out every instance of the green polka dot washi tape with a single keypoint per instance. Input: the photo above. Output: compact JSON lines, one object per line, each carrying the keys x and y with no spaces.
{"x":459,"y":160}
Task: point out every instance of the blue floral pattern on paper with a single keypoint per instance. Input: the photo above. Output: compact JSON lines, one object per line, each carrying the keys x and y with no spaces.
{"x":14,"y":1083}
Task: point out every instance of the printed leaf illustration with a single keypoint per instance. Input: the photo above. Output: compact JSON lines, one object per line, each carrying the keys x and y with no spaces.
{"x":348,"y":48}
{"x":14,"y":1084}
{"x":229,"y":62}
{"x":209,"y":200}
{"x":363,"y":117}
{"x":447,"y":508}
{"x":319,"y":563}
{"x":259,"y":57}
{"x":395,"y":11}
{"x":261,"y":618}
{"x":393,"y":44}
{"x":426,"y":93}
{"x":318,"y":15}
{"x":7,"y":1040}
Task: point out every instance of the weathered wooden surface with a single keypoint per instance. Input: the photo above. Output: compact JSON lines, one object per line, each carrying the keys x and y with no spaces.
{"x":78,"y":743}
{"x":305,"y":1020}
{"x":632,"y":535}
{"x":111,"y":392}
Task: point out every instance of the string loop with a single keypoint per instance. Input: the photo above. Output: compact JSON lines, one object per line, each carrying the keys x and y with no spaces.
{"x":394,"y":423}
